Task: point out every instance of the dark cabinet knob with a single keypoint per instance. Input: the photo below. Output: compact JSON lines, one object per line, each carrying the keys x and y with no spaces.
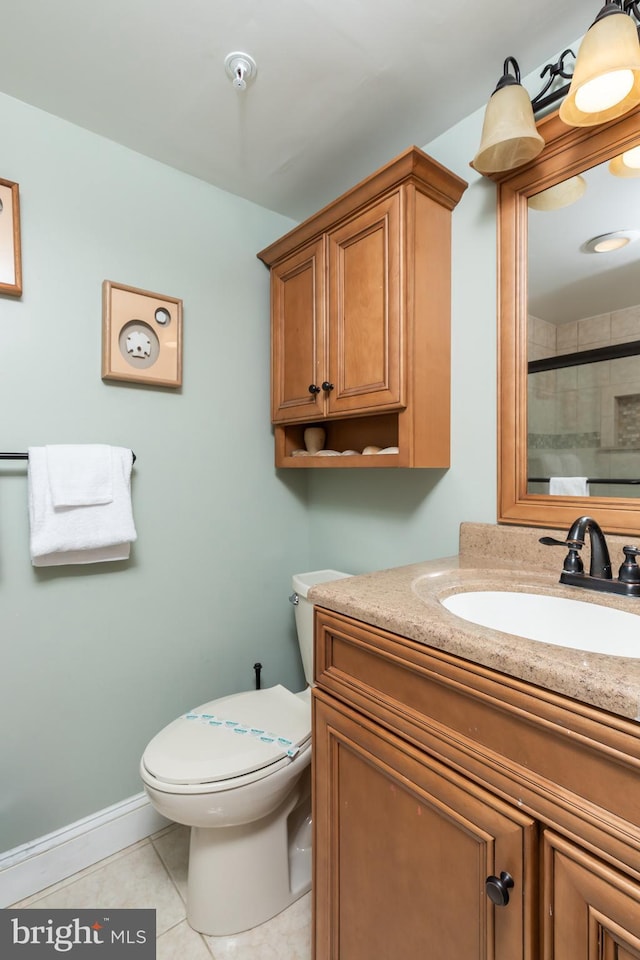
{"x":326,"y":386}
{"x":498,"y":888}
{"x":313,"y":389}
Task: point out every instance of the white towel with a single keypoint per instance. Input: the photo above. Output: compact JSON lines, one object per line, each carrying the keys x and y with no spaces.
{"x":79,"y":475}
{"x":569,"y":486}
{"x":119,"y":551}
{"x":80,"y":534}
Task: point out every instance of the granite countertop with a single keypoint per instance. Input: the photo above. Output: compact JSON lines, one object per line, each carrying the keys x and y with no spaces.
{"x":406,"y":601}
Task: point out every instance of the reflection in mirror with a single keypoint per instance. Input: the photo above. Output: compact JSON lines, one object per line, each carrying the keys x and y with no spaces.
{"x":583,"y":334}
{"x":569,"y":153}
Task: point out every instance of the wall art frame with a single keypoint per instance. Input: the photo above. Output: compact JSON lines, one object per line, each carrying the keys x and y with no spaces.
{"x":10,"y":247}
{"x":141,"y":336}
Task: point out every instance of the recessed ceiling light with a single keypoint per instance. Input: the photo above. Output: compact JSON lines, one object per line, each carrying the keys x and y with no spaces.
{"x":608,"y":242}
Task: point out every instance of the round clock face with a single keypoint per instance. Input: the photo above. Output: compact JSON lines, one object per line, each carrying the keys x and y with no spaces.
{"x":139,"y":344}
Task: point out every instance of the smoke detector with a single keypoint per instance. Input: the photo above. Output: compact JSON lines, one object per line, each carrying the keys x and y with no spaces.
{"x":241,"y":68}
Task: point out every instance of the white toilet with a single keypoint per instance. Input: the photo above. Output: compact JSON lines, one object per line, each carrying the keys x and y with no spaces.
{"x":237,"y":771}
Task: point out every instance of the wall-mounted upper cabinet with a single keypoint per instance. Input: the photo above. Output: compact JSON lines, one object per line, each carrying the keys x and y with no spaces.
{"x":337,"y":345}
{"x":360,"y":322}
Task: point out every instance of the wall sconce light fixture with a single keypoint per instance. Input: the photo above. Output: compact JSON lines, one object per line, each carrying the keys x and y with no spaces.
{"x":606,"y":78}
{"x":605,"y":84}
{"x":509,"y":135}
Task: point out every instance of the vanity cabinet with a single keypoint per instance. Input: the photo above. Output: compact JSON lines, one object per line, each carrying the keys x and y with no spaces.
{"x":437,"y":782}
{"x":590,"y":911}
{"x":360,"y":320}
{"x":413,"y":844}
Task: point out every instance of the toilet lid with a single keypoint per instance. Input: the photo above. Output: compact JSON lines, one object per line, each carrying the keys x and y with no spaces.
{"x":230,"y":737}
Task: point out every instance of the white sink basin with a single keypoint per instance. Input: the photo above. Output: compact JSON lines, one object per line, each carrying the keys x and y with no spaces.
{"x":567,"y":623}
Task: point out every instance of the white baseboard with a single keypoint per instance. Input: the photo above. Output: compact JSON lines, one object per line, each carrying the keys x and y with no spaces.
{"x":30,"y":868}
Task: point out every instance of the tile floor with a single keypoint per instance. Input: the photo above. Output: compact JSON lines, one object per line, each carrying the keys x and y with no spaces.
{"x":153,"y":873}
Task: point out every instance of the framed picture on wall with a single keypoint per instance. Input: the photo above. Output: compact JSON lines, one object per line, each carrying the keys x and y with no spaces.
{"x":10,"y":255}
{"x":141,"y":336}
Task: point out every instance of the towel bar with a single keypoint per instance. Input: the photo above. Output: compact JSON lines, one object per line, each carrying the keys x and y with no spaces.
{"x":25,"y":456}
{"x":612,"y":480}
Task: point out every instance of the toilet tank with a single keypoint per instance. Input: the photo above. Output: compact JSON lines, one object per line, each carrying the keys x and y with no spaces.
{"x":304,"y":612}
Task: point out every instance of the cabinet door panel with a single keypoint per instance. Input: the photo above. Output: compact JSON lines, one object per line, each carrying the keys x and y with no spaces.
{"x":402,"y":848}
{"x":297,"y":335}
{"x":591,"y":911}
{"x":365,"y":312}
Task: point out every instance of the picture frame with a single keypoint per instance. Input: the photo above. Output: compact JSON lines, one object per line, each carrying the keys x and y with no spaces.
{"x":141,"y":336}
{"x":10,"y":250}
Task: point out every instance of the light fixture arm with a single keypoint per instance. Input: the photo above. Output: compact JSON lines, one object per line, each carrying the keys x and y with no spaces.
{"x":511,"y":75}
{"x":623,"y":6}
{"x":557,"y":69}
{"x":632,"y":7}
{"x":544,"y":99}
{"x":507,"y":78}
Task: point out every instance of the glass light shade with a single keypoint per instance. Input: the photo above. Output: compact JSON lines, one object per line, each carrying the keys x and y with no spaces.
{"x":559,"y":195}
{"x":606,"y":79}
{"x":626,"y":164}
{"x":509,"y":135}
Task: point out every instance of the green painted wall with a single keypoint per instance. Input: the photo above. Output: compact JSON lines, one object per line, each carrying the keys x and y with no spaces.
{"x":95,"y":660}
{"x":372,"y":519}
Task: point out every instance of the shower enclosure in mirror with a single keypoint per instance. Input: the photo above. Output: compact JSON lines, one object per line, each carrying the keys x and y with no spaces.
{"x":569,"y":330}
{"x":583,"y":335}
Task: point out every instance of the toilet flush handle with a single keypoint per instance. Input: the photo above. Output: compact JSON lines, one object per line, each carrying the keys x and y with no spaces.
{"x":294,"y":599}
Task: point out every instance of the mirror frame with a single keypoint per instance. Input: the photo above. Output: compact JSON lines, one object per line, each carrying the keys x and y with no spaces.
{"x":568,"y":151}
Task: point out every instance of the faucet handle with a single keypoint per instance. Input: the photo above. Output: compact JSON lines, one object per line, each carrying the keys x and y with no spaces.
{"x":572,"y":562}
{"x":629,"y":571}
{"x":552,"y":542}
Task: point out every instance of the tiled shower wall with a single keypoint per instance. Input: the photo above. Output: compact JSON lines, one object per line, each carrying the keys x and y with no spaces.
{"x":585,"y":421}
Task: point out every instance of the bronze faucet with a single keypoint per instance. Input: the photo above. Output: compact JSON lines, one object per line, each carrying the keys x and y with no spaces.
{"x":599,"y":576}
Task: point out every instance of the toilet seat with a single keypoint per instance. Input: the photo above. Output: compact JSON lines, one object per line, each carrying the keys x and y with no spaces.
{"x":243,"y":737}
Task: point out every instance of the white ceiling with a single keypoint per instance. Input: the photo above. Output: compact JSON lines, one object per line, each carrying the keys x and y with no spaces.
{"x":342,"y":85}
{"x":565,"y":282}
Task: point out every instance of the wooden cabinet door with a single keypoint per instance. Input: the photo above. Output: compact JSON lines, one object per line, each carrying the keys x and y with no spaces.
{"x":298,"y":358}
{"x":365,"y":311}
{"x":591,"y":911}
{"x":402,"y":849}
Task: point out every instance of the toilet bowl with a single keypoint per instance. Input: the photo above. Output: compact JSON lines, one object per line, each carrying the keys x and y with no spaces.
{"x":236,"y":770}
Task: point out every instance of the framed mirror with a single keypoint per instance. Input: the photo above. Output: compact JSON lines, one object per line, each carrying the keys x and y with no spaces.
{"x":569,"y":331}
